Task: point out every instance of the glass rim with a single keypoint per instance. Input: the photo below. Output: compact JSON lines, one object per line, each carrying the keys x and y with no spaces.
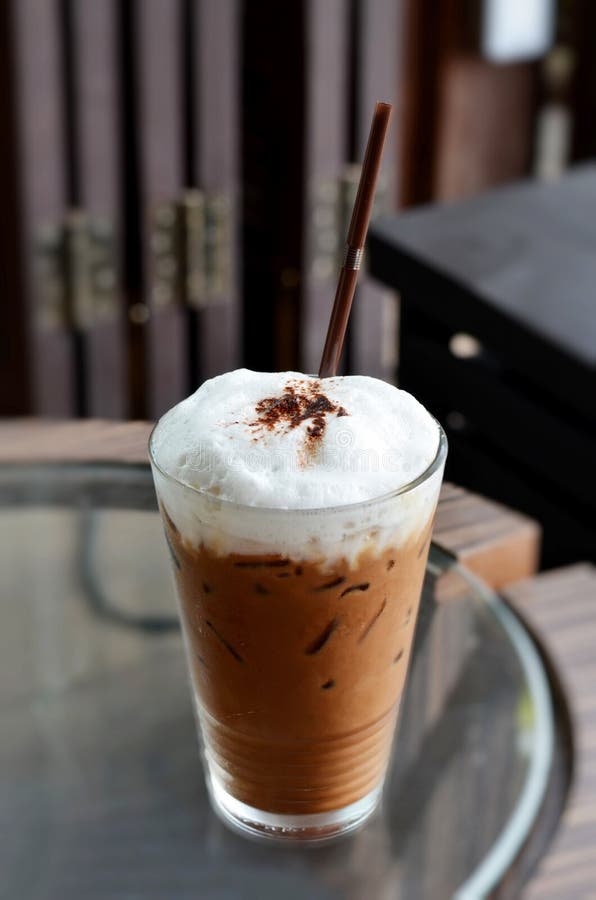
{"x":430,"y":470}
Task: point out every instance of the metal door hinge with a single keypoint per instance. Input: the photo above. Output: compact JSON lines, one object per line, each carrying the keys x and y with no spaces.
{"x":191,"y":251}
{"x":76,"y":272}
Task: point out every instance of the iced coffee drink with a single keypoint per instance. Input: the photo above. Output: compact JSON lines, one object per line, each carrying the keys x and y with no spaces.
{"x":298,"y":515}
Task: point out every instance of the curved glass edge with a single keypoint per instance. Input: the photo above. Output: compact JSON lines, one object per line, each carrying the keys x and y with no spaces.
{"x":506,"y":847}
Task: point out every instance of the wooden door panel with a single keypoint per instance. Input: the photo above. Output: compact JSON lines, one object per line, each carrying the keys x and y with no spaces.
{"x":215,"y":110}
{"x":379,"y":23}
{"x":157,"y":28}
{"x":325,"y":141}
{"x":97,"y":159}
{"x":41,"y":154}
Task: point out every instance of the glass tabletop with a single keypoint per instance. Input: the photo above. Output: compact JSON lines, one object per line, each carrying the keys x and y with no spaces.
{"x":101,"y":789}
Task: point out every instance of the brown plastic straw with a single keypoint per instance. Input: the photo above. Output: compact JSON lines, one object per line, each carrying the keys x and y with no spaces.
{"x":361,"y":214}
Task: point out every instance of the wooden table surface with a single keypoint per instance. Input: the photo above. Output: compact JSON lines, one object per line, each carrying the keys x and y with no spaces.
{"x":496,"y":543}
{"x":559,"y":609}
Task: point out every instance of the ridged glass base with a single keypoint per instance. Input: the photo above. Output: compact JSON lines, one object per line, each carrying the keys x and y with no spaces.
{"x":285,"y":828}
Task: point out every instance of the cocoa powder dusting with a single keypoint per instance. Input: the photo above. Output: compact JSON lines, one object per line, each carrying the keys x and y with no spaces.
{"x":299,"y":402}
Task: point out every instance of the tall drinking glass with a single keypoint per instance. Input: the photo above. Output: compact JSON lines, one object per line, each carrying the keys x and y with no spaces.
{"x":298,"y":626}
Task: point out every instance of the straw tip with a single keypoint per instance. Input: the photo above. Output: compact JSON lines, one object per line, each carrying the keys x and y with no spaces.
{"x":383,"y":113}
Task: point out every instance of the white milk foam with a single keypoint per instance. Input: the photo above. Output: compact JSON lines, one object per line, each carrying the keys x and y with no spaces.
{"x":234,"y":441}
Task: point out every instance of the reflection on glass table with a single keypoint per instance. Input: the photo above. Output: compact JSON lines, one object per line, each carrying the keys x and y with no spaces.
{"x":101,"y":791}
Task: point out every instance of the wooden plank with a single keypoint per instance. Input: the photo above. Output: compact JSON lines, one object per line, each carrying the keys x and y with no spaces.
{"x":418,"y":101}
{"x":15,"y":388}
{"x":35,"y":38}
{"x":325,"y":132}
{"x":89,"y":440}
{"x":377,"y":26}
{"x":569,"y":867}
{"x":215,"y":97}
{"x":496,"y":543}
{"x":581,"y":22}
{"x":157,"y":28}
{"x":452,"y":141}
{"x":96,"y":151}
{"x":292,"y":173}
{"x":473,"y":150}
{"x":273,"y":160}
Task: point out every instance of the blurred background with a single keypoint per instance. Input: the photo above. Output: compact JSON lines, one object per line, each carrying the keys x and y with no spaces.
{"x":176,"y":181}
